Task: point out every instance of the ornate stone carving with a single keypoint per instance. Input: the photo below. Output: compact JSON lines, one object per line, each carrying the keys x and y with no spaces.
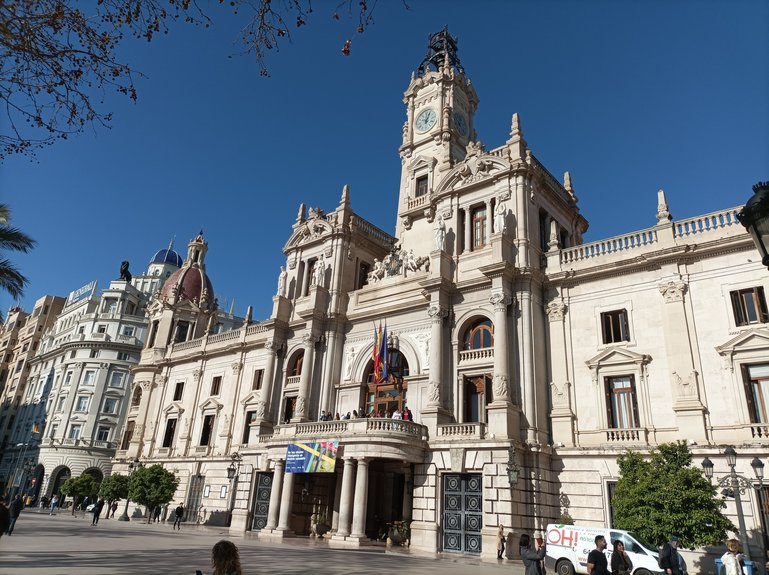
{"x":434,"y":393}
{"x":396,"y":263}
{"x":429,"y":214}
{"x":500,"y":300}
{"x":407,"y":223}
{"x":261,"y":409}
{"x":501,"y":386}
{"x":440,"y":234}
{"x":236,"y":367}
{"x":145,"y":385}
{"x":301,"y":404}
{"x":309,"y":339}
{"x":348,"y":363}
{"x":500,"y":219}
{"x":436,"y":312}
{"x":687,"y":388}
{"x":673,"y":290}
{"x":197,"y":375}
{"x":556,"y":310}
{"x":560,"y":394}
{"x":271,"y":345}
{"x":282,"y":281}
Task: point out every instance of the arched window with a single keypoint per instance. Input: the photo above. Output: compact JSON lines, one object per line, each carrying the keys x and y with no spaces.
{"x":296,"y":369}
{"x":479,"y":335}
{"x":137,"y":396}
{"x":388,"y":395}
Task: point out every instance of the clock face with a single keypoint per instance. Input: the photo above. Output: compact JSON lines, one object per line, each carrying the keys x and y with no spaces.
{"x":426,"y":120}
{"x":460,"y":124}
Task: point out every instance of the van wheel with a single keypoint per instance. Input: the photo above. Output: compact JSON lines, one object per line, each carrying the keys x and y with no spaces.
{"x":641,"y":572}
{"x":564,"y":567}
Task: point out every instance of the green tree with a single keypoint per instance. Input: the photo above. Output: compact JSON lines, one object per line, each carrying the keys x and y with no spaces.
{"x":152,"y":486}
{"x":664,"y":495}
{"x":78,"y":487}
{"x":60,"y":56}
{"x":12,"y":239}
{"x":113,"y":488}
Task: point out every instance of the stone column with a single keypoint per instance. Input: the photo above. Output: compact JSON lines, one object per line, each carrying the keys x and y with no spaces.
{"x":437,"y":314}
{"x":345,"y":504}
{"x":361,"y":500}
{"x":265,"y":394}
{"x":527,"y":367}
{"x":561,"y":414}
{"x":501,"y":382}
{"x":468,"y":230}
{"x":408,"y":494}
{"x":286,"y":503}
{"x":303,"y":398}
{"x":489,"y":220}
{"x":275,"y":493}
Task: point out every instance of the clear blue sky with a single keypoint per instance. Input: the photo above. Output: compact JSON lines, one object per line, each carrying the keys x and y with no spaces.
{"x":629,"y":96}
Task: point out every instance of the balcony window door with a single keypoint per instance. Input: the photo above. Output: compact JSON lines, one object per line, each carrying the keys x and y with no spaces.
{"x":756,"y":381}
{"x":621,"y":402}
{"x":477,"y":390}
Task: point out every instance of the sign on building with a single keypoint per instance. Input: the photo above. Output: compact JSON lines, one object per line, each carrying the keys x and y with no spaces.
{"x":311,"y":457}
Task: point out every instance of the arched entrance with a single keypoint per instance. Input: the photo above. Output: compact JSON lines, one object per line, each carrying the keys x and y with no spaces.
{"x":96,"y":473}
{"x":58,"y":477}
{"x":36,"y":482}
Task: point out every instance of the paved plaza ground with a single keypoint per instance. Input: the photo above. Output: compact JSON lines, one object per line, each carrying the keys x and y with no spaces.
{"x":63,"y":545}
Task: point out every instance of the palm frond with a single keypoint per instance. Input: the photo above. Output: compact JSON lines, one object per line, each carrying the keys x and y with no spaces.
{"x":11,"y":280}
{"x":15,"y":240}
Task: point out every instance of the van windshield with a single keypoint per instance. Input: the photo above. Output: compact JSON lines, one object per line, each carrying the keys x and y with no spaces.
{"x":646,"y":544}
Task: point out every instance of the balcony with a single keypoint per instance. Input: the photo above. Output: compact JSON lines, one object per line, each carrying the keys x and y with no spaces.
{"x":760,"y":431}
{"x":462,"y":431}
{"x":626,"y":436}
{"x":481,"y":355}
{"x":372,"y":438}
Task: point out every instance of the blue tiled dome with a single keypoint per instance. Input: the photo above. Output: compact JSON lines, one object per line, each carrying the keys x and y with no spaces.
{"x":167,"y":256}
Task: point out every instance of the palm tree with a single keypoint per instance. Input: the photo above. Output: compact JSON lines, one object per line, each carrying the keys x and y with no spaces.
{"x":12,"y":239}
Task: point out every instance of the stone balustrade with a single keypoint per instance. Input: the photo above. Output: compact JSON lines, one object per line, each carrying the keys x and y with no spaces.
{"x":463,"y":431}
{"x":627,"y":435}
{"x":760,"y":431}
{"x":476,"y":354}
{"x":224,"y":336}
{"x":418,"y":202}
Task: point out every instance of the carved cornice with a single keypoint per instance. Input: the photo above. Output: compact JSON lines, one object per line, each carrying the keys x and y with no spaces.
{"x":556,"y":310}
{"x":673,"y":290}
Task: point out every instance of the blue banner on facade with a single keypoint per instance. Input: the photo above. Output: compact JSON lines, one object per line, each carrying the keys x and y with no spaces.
{"x":311,"y":457}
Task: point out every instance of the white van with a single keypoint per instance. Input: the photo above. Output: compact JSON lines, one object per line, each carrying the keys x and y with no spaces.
{"x":569,"y":545}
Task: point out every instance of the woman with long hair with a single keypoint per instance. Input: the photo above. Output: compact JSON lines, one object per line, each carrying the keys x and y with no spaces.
{"x":226,"y":559}
{"x":532,"y":559}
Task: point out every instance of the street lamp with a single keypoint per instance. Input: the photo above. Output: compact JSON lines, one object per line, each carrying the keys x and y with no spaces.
{"x":758,"y":469}
{"x":132,"y":466}
{"x":735,"y":485}
{"x":233,"y":471}
{"x":755,"y":217}
{"x":513,"y":471}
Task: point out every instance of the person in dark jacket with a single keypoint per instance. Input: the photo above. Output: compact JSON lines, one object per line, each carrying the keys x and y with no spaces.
{"x":15,"y":509}
{"x":532,"y":559}
{"x":620,"y":561}
{"x":5,"y":518}
{"x":97,"y":511}
{"x":669,"y":560}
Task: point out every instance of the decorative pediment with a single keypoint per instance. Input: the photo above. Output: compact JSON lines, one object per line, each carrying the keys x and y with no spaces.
{"x":112,"y":392}
{"x":473,"y":169}
{"x":210,"y":405}
{"x":617,"y":356}
{"x":175,"y":408}
{"x":750,"y":343}
{"x":251,"y":398}
{"x":105,"y":419}
{"x":314,"y":228}
{"x":422,"y":162}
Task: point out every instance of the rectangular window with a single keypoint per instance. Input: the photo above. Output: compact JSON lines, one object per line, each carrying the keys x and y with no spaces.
{"x":749,"y":306}
{"x":182,"y":328}
{"x":621,"y":403}
{"x":94,"y":353}
{"x":116,"y":379}
{"x":101,"y":328}
{"x":54,"y":429}
{"x":19,"y":365}
{"x":756,"y":379}
{"x":179,"y":391}
{"x":363,"y":271}
{"x":74,"y":431}
{"x":81,"y":329}
{"x":36,"y":312}
{"x":250,"y":418}
{"x":68,"y":378}
{"x":72,"y":354}
{"x":102,"y":433}
{"x":208,"y":430}
{"x":127,"y":435}
{"x":479,"y":227}
{"x":110,"y":405}
{"x":123,"y":356}
{"x":216,"y":385}
{"x":60,"y":405}
{"x":257,"y":382}
{"x":168,"y":437}
{"x":89,"y":377}
{"x":128,"y":330}
{"x":82,"y":403}
{"x":614,"y":326}
{"x":421,"y":187}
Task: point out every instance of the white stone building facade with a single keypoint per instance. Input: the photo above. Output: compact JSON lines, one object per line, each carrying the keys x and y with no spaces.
{"x":504,"y":331}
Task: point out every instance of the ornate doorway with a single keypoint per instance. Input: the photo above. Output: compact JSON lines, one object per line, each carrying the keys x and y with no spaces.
{"x":462,"y":513}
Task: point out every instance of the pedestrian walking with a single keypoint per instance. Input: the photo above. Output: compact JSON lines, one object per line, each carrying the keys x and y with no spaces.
{"x":669,"y":560}
{"x":97,"y":511}
{"x":178,"y":513}
{"x":500,"y":541}
{"x":113,"y":508}
{"x":731,"y":559}
{"x":596,"y":560}
{"x":54,"y":504}
{"x":225,"y":559}
{"x":532,"y":558}
{"x":15,"y":509}
{"x":620,"y":561}
{"x":156,"y":514}
{"x":5,"y":518}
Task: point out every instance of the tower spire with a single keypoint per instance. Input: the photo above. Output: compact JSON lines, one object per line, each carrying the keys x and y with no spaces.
{"x":441,"y":53}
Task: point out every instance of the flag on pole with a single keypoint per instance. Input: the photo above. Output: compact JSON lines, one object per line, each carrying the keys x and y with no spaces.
{"x":375,"y":354}
{"x":383,"y":355}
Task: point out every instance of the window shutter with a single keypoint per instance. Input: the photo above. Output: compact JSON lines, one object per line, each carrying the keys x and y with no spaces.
{"x":634,"y":397}
{"x":739,"y":316}
{"x":608,"y":398}
{"x":762,"y":304}
{"x":748,"y":386}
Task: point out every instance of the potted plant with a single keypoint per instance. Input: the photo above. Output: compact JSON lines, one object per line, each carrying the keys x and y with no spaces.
{"x":399,"y":533}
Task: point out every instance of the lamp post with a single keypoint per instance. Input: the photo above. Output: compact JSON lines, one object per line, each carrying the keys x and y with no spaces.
{"x":758,"y":469}
{"x":755,"y":217}
{"x":233,"y":471}
{"x":735,"y":485}
{"x":132,"y":465}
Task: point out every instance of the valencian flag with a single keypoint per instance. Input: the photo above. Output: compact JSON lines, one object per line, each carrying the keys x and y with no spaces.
{"x":379,"y":354}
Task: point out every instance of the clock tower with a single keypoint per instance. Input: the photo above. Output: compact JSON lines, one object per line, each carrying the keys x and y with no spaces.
{"x":440,"y":106}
